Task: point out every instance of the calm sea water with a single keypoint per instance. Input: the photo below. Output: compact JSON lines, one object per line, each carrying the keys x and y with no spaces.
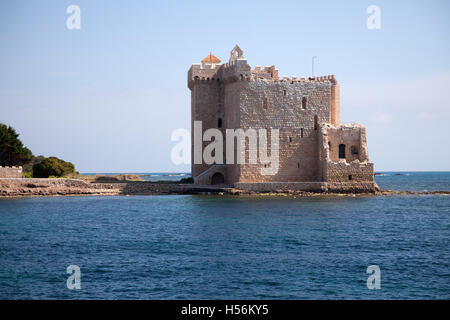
{"x":220,"y":247}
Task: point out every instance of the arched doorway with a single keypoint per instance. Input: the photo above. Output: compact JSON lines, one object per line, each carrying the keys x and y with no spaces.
{"x":217,"y":178}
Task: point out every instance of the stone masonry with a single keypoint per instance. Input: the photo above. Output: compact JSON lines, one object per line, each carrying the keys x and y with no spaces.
{"x":316,"y":152}
{"x":10,"y":172}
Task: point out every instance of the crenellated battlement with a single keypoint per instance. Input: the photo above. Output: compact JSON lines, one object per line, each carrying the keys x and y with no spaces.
{"x":328,"y":78}
{"x":202,"y":72}
{"x":237,"y":69}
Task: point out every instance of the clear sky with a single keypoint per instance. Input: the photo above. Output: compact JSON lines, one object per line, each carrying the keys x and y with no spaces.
{"x":108,"y":96}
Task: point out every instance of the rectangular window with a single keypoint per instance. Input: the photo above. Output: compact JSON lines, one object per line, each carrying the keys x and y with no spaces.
{"x":342,"y":151}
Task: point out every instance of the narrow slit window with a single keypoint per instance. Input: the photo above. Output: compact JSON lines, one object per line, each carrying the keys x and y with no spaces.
{"x":219,"y":123}
{"x":304,"y":100}
{"x":301,"y":132}
{"x":284,"y":92}
{"x":316,"y":122}
{"x":265,"y":103}
{"x":349,"y":177}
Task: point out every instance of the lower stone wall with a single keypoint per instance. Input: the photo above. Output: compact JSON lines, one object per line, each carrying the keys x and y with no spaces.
{"x":319,"y":187}
{"x":281,"y":186}
{"x":349,"y":172}
{"x":10,"y":172}
{"x":352,"y":187}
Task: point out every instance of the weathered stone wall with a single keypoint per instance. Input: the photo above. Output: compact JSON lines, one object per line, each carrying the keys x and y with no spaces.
{"x":317,"y":187}
{"x":10,"y":172}
{"x":232,"y":121}
{"x":353,"y":137}
{"x":343,"y":171}
{"x":281,"y":186}
{"x":278,"y":105}
{"x":207,"y":106}
{"x":352,"y":187}
{"x":335,"y":103}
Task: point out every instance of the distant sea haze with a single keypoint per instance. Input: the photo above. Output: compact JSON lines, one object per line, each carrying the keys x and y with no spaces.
{"x":414,"y":181}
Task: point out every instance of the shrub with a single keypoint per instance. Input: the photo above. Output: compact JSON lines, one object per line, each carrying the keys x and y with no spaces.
{"x":52,"y":166}
{"x":187,"y":180}
{"x":28,"y":167}
{"x":28,"y":175}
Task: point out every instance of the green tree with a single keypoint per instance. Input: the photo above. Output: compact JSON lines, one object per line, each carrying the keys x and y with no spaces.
{"x":28,"y":167}
{"x":52,"y":166}
{"x":12,"y":150}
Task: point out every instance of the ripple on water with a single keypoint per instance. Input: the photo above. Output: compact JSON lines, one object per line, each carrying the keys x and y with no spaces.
{"x":191,"y":247}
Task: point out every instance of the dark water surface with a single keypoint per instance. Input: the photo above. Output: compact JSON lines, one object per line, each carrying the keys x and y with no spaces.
{"x":219,"y":247}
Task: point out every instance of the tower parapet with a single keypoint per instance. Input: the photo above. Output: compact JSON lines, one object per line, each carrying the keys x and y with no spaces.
{"x":236,"y":70}
{"x":268,"y":73}
{"x":203,"y":72}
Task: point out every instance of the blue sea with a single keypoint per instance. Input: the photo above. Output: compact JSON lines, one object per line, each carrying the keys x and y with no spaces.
{"x":230,"y":247}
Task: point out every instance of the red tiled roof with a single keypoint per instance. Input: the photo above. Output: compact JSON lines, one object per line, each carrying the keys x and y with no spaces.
{"x":211,"y":58}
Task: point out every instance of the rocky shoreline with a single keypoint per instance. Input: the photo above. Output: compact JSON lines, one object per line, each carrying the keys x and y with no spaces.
{"x":23,"y":187}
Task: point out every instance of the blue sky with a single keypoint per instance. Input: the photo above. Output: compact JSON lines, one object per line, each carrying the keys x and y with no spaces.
{"x":108,"y":96}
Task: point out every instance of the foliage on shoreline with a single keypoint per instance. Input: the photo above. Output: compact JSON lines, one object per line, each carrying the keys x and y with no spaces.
{"x":52,"y":166}
{"x":12,"y":150}
{"x":14,"y":153}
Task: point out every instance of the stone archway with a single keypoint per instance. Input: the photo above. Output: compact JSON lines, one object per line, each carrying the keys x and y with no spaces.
{"x":217,"y":178}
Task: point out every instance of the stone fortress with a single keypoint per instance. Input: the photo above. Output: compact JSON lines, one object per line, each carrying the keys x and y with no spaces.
{"x":316,"y":152}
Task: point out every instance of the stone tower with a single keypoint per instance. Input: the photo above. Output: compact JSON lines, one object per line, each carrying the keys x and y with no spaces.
{"x":316,"y":152}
